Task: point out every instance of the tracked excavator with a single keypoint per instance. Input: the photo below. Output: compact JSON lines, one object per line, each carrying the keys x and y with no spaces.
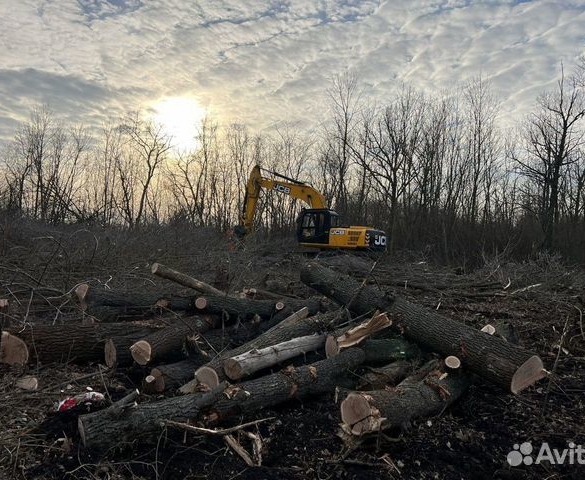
{"x":318,"y":226}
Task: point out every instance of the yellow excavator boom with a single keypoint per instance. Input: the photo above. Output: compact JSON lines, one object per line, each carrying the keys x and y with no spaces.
{"x":302,"y":191}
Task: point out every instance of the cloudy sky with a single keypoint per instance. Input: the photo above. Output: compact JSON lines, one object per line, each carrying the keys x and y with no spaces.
{"x":268,"y":62}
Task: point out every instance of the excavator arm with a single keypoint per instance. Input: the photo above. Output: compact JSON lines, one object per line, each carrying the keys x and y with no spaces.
{"x":287,"y":186}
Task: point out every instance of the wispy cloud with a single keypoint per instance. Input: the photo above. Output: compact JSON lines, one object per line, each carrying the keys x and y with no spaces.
{"x":264,"y":62}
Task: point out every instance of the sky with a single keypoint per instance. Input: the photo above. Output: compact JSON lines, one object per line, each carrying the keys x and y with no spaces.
{"x":269,"y":63}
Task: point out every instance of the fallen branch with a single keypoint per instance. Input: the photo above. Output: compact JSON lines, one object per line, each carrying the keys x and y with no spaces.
{"x":185,"y":280}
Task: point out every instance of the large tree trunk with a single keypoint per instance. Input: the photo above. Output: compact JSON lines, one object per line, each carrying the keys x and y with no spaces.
{"x":367,"y":412}
{"x":110,"y":306}
{"x":500,"y":362}
{"x":108,"y":428}
{"x":292,"y":382}
{"x":248,"y":308}
{"x":73,"y":342}
{"x":105,"y":428}
{"x":169,"y":342}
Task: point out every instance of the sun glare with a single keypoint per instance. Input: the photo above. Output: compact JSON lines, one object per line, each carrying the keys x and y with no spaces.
{"x":180,"y":118}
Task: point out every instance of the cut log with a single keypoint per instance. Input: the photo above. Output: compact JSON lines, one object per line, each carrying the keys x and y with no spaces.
{"x":301,"y":382}
{"x":169,"y":274}
{"x":246,"y":308}
{"x":507,"y":365}
{"x":252,"y":361}
{"x":102,"y":429}
{"x":368,"y":412}
{"x":169,"y":342}
{"x":357,"y":334}
{"x":387,"y":375}
{"x":13,"y":351}
{"x":110,"y":306}
{"x":293,"y":327}
{"x":172,"y":375}
{"x":504,"y":330}
{"x":73,"y":342}
{"x":385,"y":350}
{"x":28,"y":383}
{"x":207,"y":377}
{"x":152,"y":384}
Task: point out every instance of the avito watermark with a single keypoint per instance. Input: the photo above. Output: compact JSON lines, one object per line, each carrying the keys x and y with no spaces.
{"x":525,"y":453}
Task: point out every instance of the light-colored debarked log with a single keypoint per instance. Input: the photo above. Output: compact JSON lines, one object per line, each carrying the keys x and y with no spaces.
{"x":296,"y":325}
{"x":252,"y":361}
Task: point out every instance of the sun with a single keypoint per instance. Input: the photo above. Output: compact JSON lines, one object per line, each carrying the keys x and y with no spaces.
{"x":180,"y":119}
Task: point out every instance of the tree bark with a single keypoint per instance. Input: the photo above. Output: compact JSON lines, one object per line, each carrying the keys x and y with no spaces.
{"x":247,"y":308}
{"x":367,"y":412}
{"x":496,"y":360}
{"x":110,"y":306}
{"x":387,"y":375}
{"x":73,"y":342}
{"x":305,"y":381}
{"x":108,"y":428}
{"x":185,"y":280}
{"x":169,"y":342}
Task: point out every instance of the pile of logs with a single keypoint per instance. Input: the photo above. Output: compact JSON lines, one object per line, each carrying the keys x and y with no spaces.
{"x":217,"y":356}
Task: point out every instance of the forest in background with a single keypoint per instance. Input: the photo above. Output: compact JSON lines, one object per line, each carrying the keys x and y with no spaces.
{"x":446,"y":175}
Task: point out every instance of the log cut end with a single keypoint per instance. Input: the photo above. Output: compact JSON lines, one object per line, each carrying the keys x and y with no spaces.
{"x":233,"y":369}
{"x":28,"y":383}
{"x":452,"y":362}
{"x":155,"y":268}
{"x":141,"y":352}
{"x":207,"y":376}
{"x":489,"y":329}
{"x":13,"y":350}
{"x":200,"y":303}
{"x":110,"y":354}
{"x":359,"y":416}
{"x":81,"y":291}
{"x":527,"y":374}
{"x":331,"y":347}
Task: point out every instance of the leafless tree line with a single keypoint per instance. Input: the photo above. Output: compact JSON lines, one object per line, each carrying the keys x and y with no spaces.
{"x":444,"y":173}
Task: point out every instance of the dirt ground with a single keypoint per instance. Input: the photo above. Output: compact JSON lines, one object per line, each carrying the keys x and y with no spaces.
{"x":542,"y":299}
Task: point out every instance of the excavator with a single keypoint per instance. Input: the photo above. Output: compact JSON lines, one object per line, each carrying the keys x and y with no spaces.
{"x":317,"y":226}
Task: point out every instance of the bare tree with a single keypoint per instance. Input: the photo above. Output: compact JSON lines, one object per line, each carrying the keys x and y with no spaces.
{"x":336,"y":159}
{"x":145,"y":150}
{"x":553,"y":136}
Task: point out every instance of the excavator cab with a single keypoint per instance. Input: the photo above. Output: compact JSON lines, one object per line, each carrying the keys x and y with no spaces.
{"x":314,"y":225}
